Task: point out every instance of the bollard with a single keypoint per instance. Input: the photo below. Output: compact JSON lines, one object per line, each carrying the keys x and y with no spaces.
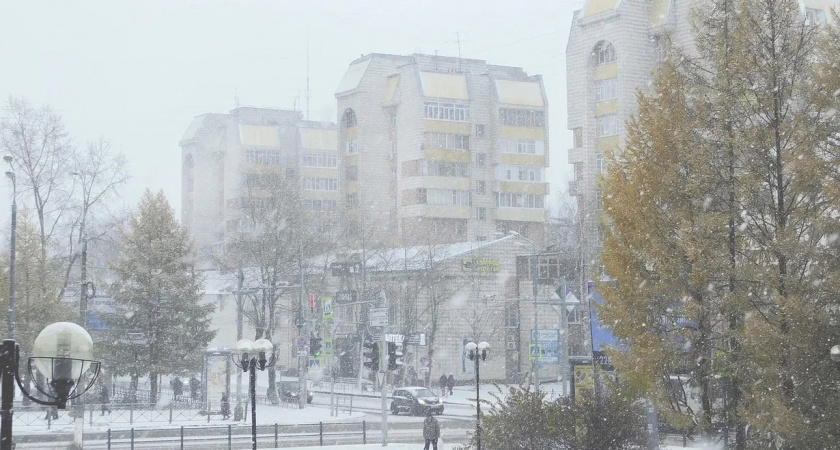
{"x":49,"y":418}
{"x":364,"y":433}
{"x":170,"y":413}
{"x":208,"y":411}
{"x":90,"y":415}
{"x":351,"y":405}
{"x":131,"y":413}
{"x":109,"y":439}
{"x":182,"y":437}
{"x":275,"y":435}
{"x":229,"y":438}
{"x":321,"y":433}
{"x":132,"y":439}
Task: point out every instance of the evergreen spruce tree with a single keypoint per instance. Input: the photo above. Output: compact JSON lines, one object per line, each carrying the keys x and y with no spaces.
{"x":158,"y":295}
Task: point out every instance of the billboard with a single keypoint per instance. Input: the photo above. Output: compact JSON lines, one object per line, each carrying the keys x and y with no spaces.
{"x":545,"y":346}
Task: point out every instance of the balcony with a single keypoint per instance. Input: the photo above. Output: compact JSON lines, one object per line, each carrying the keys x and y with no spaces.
{"x":574,"y":188}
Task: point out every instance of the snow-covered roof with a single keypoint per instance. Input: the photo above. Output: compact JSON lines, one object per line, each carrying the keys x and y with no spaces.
{"x":352,"y":77}
{"x":421,"y":257}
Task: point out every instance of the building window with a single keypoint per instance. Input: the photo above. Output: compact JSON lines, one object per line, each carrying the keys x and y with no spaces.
{"x":521,"y":173}
{"x":512,"y":315}
{"x":578,"y":171}
{"x":320,"y":205}
{"x":575,"y":316}
{"x":447,"y":197}
{"x":264,"y":157}
{"x":578,"y":137}
{"x":516,"y":117}
{"x":479,"y":130}
{"x":481,"y":187}
{"x":522,"y":146}
{"x":600,"y":163}
{"x":352,"y":173}
{"x":348,"y":119}
{"x":433,"y":139}
{"x":511,"y":200}
{"x":393,"y":149}
{"x":814,"y":16}
{"x":444,"y":169}
{"x":392,"y":119}
{"x":352,"y":147}
{"x":599,"y":202}
{"x":481,"y":213}
{"x":319,"y":160}
{"x":351,"y":200}
{"x":461,"y":228}
{"x":604,"y":53}
{"x":456,"y":112}
{"x":320,"y":184}
{"x":480,"y":159}
{"x":606,"y":125}
{"x":606,"y":89}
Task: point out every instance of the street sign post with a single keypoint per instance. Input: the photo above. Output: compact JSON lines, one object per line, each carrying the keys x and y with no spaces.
{"x":418,"y":339}
{"x":548,"y":345}
{"x":379,"y":317}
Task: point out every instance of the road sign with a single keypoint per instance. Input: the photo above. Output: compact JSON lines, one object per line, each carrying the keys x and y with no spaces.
{"x":423,"y":370}
{"x":379,"y":317}
{"x":534,"y":351}
{"x":418,"y":339}
{"x":327,"y":302}
{"x":315,"y":364}
{"x":328,"y":347}
{"x":303,"y":352}
{"x":346,"y":297}
{"x":548,"y":342}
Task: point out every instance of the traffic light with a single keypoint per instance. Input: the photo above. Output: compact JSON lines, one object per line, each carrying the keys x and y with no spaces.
{"x":314,"y":346}
{"x":371,"y":355}
{"x":395,"y":356}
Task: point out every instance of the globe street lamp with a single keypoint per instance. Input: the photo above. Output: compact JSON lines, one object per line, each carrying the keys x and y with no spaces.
{"x":476,"y":353}
{"x":11,"y":326}
{"x":252,"y":356}
{"x":63,"y":354}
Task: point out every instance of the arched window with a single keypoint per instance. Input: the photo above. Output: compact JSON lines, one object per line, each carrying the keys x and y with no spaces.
{"x":604,"y":53}
{"x":348,"y":120}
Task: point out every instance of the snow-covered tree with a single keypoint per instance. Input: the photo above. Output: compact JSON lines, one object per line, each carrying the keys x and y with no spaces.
{"x":158,"y":296}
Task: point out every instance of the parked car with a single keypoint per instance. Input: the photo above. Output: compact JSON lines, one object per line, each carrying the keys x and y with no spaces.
{"x":288,"y":391}
{"x":415,"y":401}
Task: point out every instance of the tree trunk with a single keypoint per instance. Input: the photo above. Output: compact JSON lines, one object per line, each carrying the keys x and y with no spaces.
{"x":153,"y":388}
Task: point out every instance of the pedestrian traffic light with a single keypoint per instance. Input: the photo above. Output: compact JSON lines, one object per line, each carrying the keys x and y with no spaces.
{"x":314,"y":346}
{"x":395,"y":356}
{"x":371,"y":352}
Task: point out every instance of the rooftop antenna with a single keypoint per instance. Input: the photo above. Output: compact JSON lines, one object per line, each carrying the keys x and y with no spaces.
{"x":307,"y":74}
{"x":236,"y":97}
{"x":458,"y":38}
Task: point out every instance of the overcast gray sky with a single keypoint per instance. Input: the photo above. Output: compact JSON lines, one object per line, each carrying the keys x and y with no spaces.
{"x":137,"y":72}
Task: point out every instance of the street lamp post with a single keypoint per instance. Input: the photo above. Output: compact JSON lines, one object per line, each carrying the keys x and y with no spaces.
{"x":476,"y":353}
{"x":63,"y":354}
{"x":11,"y":327}
{"x":252,"y":356}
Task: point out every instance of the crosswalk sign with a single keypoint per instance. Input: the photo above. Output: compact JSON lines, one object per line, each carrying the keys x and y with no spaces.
{"x":534,"y":351}
{"x":315,"y":363}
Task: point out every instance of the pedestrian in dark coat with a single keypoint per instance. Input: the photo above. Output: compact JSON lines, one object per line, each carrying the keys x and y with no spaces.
{"x":451,"y":383}
{"x":431,"y":431}
{"x":225,"y":407}
{"x":443,"y":384}
{"x":177,"y":388}
{"x":104,"y":399}
{"x":194,"y":385}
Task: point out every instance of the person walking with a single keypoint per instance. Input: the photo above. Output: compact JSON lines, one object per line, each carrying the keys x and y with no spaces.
{"x":104,"y":399}
{"x":225,"y":407}
{"x":443,"y":383}
{"x":451,"y":383}
{"x":431,"y":431}
{"x":177,"y":388}
{"x":194,"y":385}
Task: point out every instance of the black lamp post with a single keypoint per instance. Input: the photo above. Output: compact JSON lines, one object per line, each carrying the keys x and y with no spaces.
{"x":252,"y":356}
{"x":476,"y":353}
{"x":11,"y":326}
{"x":63,"y":353}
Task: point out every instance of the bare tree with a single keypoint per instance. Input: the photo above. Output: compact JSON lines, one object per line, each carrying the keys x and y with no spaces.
{"x":98,"y":174}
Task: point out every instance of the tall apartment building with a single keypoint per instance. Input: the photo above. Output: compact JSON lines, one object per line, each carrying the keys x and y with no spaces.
{"x":218,"y":150}
{"x":613,"y":49}
{"x":441,"y":149}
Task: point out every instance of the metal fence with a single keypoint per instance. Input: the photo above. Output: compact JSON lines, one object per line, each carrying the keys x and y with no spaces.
{"x":116,"y":414}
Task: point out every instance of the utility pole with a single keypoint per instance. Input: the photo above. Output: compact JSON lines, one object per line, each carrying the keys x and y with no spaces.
{"x":305,"y":333}
{"x":383,"y":367}
{"x":534,"y":332}
{"x":240,"y":281}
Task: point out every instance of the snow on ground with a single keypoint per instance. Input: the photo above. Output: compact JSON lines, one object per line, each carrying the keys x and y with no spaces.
{"x":378,"y":446}
{"x":266,"y":415}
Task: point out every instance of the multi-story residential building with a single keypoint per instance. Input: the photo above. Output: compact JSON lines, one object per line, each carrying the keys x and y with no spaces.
{"x":613,"y":49}
{"x":218,"y":150}
{"x":443,"y":149}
